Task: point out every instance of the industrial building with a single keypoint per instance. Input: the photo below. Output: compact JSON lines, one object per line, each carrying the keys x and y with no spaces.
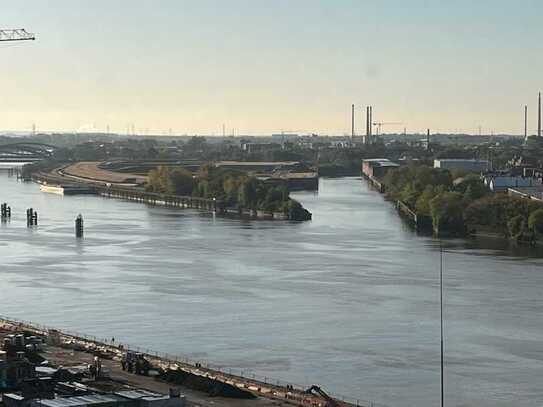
{"x":377,"y":167}
{"x":471,"y":165}
{"x":501,"y":183}
{"x":259,"y":147}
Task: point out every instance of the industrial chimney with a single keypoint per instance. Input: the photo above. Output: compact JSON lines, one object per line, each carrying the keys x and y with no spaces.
{"x":539,"y":115}
{"x":352,"y":122}
{"x":367,"y":140}
{"x":371,"y":121}
{"x":525,"y":123}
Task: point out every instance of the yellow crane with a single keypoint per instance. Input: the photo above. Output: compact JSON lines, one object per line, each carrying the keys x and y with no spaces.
{"x":18,"y":34}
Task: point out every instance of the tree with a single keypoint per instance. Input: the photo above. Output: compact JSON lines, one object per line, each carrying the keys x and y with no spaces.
{"x":448,"y":214}
{"x":472,"y":187}
{"x":535,"y":221}
{"x":196,"y":143}
{"x":495,"y":211}
{"x":168,"y":180}
{"x":422,"y":206}
{"x":517,"y":227}
{"x":180,"y":182}
{"x":247,"y":195}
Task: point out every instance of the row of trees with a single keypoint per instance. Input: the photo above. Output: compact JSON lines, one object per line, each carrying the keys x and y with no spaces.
{"x":235,"y":189}
{"x":460,"y":203}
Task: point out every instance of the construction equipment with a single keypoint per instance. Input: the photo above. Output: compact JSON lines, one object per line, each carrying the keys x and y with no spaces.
{"x":95,"y":368}
{"x":135,"y":362}
{"x":330,"y":402}
{"x":379,"y":124}
{"x":19,"y":34}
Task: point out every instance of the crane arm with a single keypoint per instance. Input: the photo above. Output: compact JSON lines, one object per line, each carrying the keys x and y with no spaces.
{"x":19,"y":34}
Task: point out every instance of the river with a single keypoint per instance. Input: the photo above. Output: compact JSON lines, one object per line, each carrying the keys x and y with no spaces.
{"x":349,"y":300}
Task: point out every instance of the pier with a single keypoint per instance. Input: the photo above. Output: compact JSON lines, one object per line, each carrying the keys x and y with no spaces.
{"x":200,"y":371}
{"x":133,"y":194}
{"x":153,"y":198}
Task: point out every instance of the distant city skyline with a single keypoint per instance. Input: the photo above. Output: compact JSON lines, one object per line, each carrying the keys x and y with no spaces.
{"x":262,"y":67}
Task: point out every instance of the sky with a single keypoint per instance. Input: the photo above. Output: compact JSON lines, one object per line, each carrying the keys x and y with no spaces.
{"x":266,"y":66}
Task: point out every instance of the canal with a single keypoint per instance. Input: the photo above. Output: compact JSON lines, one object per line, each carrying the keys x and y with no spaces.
{"x":349,"y":300}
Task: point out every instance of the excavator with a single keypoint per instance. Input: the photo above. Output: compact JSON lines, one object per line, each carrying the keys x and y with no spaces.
{"x":330,"y":402}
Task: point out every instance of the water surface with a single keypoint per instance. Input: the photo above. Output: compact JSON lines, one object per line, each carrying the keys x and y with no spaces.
{"x":348,"y":300}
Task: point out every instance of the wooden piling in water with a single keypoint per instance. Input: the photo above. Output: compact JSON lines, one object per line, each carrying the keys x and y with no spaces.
{"x":31,"y":217}
{"x":79,"y":226}
{"x":5,"y":211}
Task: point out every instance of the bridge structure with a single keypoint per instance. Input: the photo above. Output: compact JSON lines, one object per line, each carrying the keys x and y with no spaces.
{"x":25,"y":152}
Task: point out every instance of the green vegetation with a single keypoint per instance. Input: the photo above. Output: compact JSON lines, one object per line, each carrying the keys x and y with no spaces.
{"x":460,"y":205}
{"x":234,"y":189}
{"x":535,"y":221}
{"x":446,"y":209}
{"x":417,"y":185}
{"x":504,"y":214}
{"x":169,"y":180}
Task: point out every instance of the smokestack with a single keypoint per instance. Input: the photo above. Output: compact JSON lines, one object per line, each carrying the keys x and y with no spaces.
{"x":525,"y":123}
{"x":367,"y":125}
{"x":371,"y":122}
{"x":352,"y":121}
{"x":427,"y":139}
{"x":539,"y":116}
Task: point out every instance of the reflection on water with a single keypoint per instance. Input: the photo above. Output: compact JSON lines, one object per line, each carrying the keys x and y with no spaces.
{"x":348,"y":300}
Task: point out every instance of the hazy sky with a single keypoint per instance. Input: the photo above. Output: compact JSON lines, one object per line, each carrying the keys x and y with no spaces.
{"x":263,"y":66}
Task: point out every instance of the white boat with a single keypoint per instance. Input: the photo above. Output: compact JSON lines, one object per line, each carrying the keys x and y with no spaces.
{"x":66,"y":189}
{"x":52,"y":189}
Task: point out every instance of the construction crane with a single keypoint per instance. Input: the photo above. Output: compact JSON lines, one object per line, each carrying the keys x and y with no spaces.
{"x":379,"y":124}
{"x":330,"y":402}
{"x":19,"y":34}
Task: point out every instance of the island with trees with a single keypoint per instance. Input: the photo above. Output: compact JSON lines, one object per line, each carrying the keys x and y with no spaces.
{"x":235,"y":189}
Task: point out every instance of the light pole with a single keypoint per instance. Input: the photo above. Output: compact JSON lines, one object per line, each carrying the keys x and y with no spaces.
{"x":441,"y":314}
